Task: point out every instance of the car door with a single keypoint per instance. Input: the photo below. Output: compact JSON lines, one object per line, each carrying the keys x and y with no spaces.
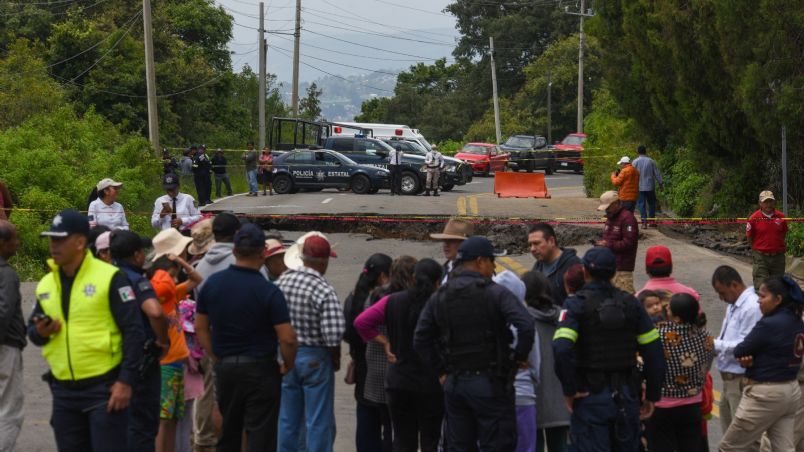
{"x":494,"y":158}
{"x":373,"y":153}
{"x":335,"y":173}
{"x":301,"y":166}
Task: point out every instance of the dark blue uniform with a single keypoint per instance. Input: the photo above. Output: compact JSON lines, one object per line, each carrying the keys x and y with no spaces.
{"x":777,"y":345}
{"x":608,"y":418}
{"x":143,"y":424}
{"x":202,"y":167}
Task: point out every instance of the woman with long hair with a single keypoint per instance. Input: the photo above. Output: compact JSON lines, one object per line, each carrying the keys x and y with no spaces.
{"x":771,"y":354}
{"x":552,"y":417}
{"x":415,"y":398}
{"x":376,"y":270}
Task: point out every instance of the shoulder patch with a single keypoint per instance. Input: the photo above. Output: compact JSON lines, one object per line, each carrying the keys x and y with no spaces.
{"x":126,"y":294}
{"x":144,"y":285}
{"x":563,"y":315}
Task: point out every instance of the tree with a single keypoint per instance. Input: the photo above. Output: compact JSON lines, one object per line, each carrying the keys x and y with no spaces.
{"x":25,"y":88}
{"x":310,"y":106}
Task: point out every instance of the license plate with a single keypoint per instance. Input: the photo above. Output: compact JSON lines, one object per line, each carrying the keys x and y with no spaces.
{"x":564,"y":164}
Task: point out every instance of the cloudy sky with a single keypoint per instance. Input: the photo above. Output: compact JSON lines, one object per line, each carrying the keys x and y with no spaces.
{"x":372,"y":27}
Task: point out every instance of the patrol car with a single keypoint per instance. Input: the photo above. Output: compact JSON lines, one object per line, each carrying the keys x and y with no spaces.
{"x":318,"y":169}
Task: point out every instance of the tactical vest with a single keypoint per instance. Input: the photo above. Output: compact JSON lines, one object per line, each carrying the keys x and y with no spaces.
{"x":89,"y":344}
{"x":607,"y":340}
{"x":473,"y":335}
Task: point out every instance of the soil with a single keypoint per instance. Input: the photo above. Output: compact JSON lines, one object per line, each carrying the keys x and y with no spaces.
{"x":725,"y":238}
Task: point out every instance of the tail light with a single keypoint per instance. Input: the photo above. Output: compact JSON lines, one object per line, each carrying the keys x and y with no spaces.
{"x":338,"y":130}
{"x":398,"y":132}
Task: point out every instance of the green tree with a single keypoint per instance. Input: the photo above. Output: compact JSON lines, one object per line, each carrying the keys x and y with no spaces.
{"x":25,"y":88}
{"x":310,"y":105}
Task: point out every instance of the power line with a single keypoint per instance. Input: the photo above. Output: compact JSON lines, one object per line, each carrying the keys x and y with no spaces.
{"x":335,"y":62}
{"x":51,"y":12}
{"x":368,"y":57}
{"x":336,"y":76}
{"x":367,"y":46}
{"x":383,"y":34}
{"x":125,"y":33}
{"x":412,"y":8}
{"x":371,"y":21}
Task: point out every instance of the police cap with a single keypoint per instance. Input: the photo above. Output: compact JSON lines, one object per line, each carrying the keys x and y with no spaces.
{"x":124,"y":244}
{"x":600,"y":259}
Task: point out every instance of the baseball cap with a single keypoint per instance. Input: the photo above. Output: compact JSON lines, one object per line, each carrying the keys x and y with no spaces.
{"x":600,"y":258}
{"x":66,"y":222}
{"x":102,"y":242}
{"x":317,"y":247}
{"x":624,"y":159}
{"x":658,"y":256}
{"x":106,"y":183}
{"x":170,"y":181}
{"x":766,"y":195}
{"x":607,"y":198}
{"x":124,"y":243}
{"x":273,"y":247}
{"x":476,"y":246}
{"x":225,"y":225}
{"x":249,"y":236}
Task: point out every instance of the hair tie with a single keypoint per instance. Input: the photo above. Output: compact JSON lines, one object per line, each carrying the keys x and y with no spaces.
{"x":795,"y":290}
{"x":365,"y":270}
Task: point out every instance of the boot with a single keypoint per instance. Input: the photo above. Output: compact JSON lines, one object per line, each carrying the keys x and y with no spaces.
{"x":435,"y":193}
{"x":427,"y":193}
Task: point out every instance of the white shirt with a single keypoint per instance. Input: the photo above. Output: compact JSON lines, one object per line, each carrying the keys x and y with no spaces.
{"x":739,"y":321}
{"x":395,"y":157}
{"x":112,"y":216}
{"x":185,"y":211}
{"x":434,"y":159}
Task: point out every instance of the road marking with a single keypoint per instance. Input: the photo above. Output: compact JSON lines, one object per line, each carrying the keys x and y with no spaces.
{"x":473,"y":205}
{"x":515,"y":266}
{"x":326,"y":201}
{"x":462,"y":205}
{"x":574,"y":187}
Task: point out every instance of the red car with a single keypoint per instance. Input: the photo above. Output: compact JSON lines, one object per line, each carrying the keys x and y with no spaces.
{"x":483,"y":158}
{"x":569,"y":153}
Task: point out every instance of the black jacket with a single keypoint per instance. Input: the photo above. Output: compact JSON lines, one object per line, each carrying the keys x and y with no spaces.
{"x":12,"y":325}
{"x":409,"y":373}
{"x":567,"y":259}
{"x":776,"y":343}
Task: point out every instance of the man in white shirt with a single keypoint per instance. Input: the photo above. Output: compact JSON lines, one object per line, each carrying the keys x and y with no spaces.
{"x":433,"y":161}
{"x":395,"y":167}
{"x":174,"y":209}
{"x":741,"y":316}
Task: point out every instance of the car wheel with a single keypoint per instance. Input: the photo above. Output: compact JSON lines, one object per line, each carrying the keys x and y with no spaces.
{"x":410,"y":183}
{"x":282,"y":184}
{"x":530,"y":164}
{"x":447,"y":187}
{"x":361,"y":184}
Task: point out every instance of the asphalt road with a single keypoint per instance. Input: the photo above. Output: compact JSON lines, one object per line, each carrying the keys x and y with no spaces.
{"x":693,"y":265}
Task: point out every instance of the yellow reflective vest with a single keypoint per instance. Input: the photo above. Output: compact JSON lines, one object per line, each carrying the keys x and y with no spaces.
{"x":89,"y":343}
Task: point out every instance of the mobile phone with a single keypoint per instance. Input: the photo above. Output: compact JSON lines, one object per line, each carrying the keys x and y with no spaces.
{"x":44,"y":317}
{"x":166,"y":206}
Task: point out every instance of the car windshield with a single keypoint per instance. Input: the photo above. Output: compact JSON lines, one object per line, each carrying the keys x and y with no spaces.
{"x":573,"y":140}
{"x":425,"y":143}
{"x":519,"y":142}
{"x":471,"y":149}
{"x":415,"y":148}
{"x":347,"y":160}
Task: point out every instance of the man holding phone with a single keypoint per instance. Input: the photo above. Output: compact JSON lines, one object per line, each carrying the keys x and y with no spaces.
{"x":174,"y":209}
{"x":91,"y":337}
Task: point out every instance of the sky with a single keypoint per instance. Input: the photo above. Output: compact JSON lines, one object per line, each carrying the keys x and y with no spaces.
{"x":429,"y":34}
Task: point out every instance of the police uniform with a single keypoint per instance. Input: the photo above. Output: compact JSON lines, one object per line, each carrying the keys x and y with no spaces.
{"x":433,"y":161}
{"x":600,"y":331}
{"x":202,"y":168}
{"x":771,"y":395}
{"x":99,"y":343}
{"x":462,"y":333}
{"x":395,"y":167}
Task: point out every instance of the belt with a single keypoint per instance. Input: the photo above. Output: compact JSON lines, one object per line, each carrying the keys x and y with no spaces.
{"x":748,"y":381}
{"x":728,"y":376}
{"x":245,"y":359}
{"x":85,"y":382}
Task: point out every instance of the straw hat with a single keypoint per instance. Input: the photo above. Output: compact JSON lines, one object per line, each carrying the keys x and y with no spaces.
{"x":607,"y":198}
{"x":455,"y":230}
{"x":202,"y":237}
{"x":293,"y":254}
{"x":169,"y":241}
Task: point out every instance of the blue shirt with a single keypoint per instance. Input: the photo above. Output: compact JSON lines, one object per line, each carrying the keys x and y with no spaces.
{"x":243,"y":308}
{"x":739,"y":321}
{"x":777,"y":344}
{"x":143,"y":290}
{"x":649,"y":174}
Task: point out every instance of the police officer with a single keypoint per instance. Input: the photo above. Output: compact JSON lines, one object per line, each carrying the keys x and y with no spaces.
{"x":433,"y":161}
{"x":463,"y":333}
{"x":128,"y":253}
{"x":91,"y":338}
{"x":202,"y":168}
{"x":600,"y":331}
{"x":395,"y":167}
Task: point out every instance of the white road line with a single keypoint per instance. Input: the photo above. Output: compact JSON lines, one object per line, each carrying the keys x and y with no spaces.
{"x":326,"y":201}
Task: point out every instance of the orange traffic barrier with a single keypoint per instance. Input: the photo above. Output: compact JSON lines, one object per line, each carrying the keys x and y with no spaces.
{"x":520,"y":185}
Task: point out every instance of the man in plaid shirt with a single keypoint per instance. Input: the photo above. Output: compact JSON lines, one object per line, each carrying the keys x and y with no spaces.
{"x":317,"y":317}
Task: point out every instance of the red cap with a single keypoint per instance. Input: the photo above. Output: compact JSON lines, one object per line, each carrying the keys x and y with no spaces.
{"x":658,"y":256}
{"x":317,"y":247}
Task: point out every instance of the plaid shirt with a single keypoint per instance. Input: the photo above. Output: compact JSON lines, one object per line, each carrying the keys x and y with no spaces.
{"x":315,"y":311}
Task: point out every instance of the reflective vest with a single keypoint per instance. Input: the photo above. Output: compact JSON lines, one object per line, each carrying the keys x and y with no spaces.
{"x":89,"y":344}
{"x":607,"y":340}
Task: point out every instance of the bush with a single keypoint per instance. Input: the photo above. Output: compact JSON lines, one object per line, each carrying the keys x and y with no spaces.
{"x":450,"y":147}
{"x":795,"y":236}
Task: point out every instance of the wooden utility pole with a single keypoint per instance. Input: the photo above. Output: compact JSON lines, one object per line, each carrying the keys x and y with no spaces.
{"x":294,"y":96}
{"x":583,"y":14}
{"x":549,"y":107}
{"x":494,"y":91}
{"x":150,"y":78}
{"x":261,"y":100}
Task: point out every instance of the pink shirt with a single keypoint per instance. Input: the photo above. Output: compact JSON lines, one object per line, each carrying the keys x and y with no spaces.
{"x":368,"y":322}
{"x":668,"y":284}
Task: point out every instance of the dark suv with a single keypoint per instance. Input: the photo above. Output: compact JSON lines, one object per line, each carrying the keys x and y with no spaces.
{"x":374,"y":152}
{"x":530,"y":152}
{"x":463,"y":172}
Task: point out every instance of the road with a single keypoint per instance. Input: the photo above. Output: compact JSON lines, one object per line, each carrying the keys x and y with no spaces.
{"x":693,"y":266}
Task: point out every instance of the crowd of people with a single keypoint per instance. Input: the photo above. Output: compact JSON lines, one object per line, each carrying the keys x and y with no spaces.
{"x":222,"y":337}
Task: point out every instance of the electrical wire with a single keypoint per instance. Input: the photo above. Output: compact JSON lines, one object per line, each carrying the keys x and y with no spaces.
{"x":368,"y":46}
{"x":354,"y":17}
{"x":335,"y":62}
{"x":336,"y":76}
{"x":369,"y":57}
{"x":51,"y":12}
{"x":382,"y":34}
{"x":412,"y":8}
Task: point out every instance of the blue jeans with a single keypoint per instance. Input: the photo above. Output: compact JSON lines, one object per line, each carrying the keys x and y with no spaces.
{"x":251,"y":176}
{"x":81,"y":423}
{"x":602,"y":424}
{"x":308,"y":396}
{"x":649,"y":198}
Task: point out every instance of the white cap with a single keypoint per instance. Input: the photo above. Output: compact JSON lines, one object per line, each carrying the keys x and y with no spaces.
{"x":102,"y":242}
{"x":105,"y":183}
{"x":625,"y":159}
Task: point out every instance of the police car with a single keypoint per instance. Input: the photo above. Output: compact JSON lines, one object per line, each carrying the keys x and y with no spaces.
{"x":318,"y":169}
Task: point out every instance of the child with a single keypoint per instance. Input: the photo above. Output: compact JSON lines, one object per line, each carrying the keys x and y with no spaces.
{"x":193,"y":379}
{"x":163,"y":273}
{"x":652,"y":302}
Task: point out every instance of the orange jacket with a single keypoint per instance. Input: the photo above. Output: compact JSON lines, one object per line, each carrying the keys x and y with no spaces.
{"x":627,"y":183}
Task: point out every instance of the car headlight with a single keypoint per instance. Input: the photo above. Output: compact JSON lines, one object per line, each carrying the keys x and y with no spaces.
{"x":451,"y":169}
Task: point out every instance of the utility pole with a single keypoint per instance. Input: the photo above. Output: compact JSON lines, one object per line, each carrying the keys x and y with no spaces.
{"x":294,"y":96}
{"x":150,"y":78}
{"x":261,"y":100}
{"x":784,"y":170}
{"x":494,"y":91}
{"x":549,"y":107}
{"x":583,"y":13}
